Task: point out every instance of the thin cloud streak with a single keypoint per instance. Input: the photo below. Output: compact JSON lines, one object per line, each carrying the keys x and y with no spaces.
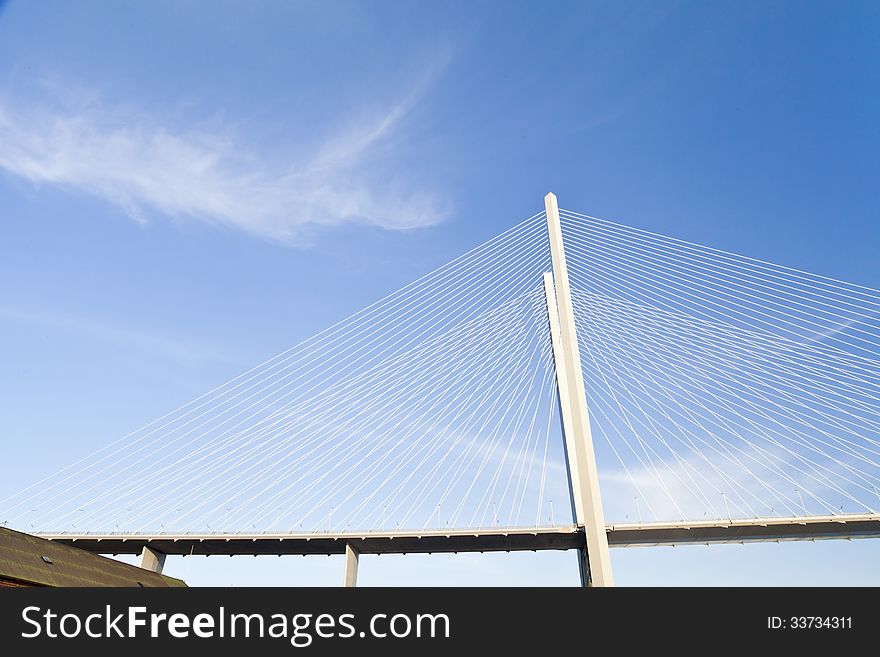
{"x":188,"y":353}
{"x":208,"y":175}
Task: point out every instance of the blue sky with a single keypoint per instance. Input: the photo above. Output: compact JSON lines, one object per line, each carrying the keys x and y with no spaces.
{"x":187,"y":191}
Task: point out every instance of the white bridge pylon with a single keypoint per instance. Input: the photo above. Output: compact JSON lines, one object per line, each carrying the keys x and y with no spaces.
{"x":594,"y":560}
{"x":571,"y":384}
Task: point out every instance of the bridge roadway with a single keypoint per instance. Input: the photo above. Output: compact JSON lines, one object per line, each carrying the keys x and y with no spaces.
{"x":567,"y":537}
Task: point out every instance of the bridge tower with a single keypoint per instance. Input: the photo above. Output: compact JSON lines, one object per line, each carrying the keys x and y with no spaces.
{"x":595,"y":560}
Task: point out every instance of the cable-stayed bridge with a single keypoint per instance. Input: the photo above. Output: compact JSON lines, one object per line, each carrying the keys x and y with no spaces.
{"x":571,"y":384}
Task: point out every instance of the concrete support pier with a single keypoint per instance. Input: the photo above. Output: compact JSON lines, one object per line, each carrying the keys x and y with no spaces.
{"x":152,"y":560}
{"x":351,"y":566}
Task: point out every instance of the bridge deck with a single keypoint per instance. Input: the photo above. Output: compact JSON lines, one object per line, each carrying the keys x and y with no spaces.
{"x":749,"y":530}
{"x":484,"y":540}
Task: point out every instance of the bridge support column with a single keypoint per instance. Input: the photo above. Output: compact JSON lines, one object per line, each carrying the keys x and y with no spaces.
{"x":595,"y":561}
{"x":152,"y":560}
{"x":351,"y":566}
{"x":584,"y":567}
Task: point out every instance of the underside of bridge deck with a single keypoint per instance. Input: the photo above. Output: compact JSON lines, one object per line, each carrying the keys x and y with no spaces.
{"x":484,"y":540}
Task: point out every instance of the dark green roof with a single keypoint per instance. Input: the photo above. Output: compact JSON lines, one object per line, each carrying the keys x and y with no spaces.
{"x":22,"y":559}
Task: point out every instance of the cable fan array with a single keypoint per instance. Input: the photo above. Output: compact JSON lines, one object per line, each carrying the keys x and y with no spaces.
{"x":719,"y":386}
{"x":722,"y":386}
{"x":428,"y":409}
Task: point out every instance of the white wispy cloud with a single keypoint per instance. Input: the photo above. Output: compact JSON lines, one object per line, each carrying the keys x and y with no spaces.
{"x":184,"y":352}
{"x":756,"y":484}
{"x":832,"y":331}
{"x":207,"y":172}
